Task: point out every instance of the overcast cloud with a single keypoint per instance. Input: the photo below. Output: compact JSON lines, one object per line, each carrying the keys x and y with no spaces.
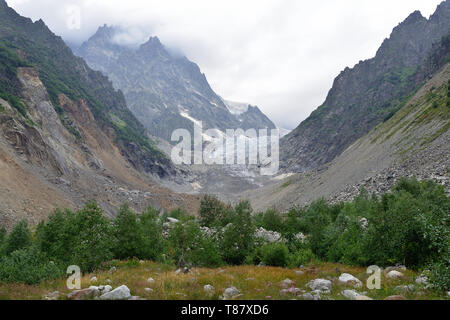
{"x":281,"y":55}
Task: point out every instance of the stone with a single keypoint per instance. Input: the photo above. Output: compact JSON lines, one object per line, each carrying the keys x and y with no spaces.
{"x":52,"y":296}
{"x":394,"y":298}
{"x":299,"y":272}
{"x":93,"y":279}
{"x":209,"y":289}
{"x":149,"y":290}
{"x":349,"y":280}
{"x":307,"y":296}
{"x":422,"y":280}
{"x":83,"y":294}
{"x":287,"y":283}
{"x":410,"y":288}
{"x":350,"y":294}
{"x":230,"y":293}
{"x":112,"y":270}
{"x":320,"y":284}
{"x":119,"y":293}
{"x":150,"y":280}
{"x":394,"y":274}
{"x":173,"y":220}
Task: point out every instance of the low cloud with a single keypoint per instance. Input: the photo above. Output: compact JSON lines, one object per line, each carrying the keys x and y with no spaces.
{"x":280,"y":55}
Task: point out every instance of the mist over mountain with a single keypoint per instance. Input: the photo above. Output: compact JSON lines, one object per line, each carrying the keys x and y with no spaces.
{"x":163,"y":89}
{"x":368,"y":94}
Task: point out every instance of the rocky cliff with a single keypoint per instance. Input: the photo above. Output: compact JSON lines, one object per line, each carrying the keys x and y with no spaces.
{"x":163,"y":89}
{"x":368,"y":94}
{"x":66,"y":136}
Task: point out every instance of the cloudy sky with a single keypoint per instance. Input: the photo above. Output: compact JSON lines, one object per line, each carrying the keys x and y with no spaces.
{"x":281,"y":55}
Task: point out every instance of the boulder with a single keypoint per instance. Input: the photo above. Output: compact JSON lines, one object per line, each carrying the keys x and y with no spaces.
{"x":350,"y":294}
{"x":52,"y":296}
{"x":410,"y":288}
{"x":119,"y":293}
{"x":83,"y":294}
{"x":209,"y":289}
{"x":287,"y":283}
{"x":320,"y":284}
{"x":150,"y":281}
{"x":349,"y":280}
{"x":230,"y":293}
{"x":307,"y":296}
{"x":394,"y":274}
{"x":422,"y":280}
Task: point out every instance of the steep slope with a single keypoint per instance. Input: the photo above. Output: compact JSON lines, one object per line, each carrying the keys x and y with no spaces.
{"x":66,"y":136}
{"x":414,"y":142}
{"x":164,"y":90}
{"x":366,"y":95}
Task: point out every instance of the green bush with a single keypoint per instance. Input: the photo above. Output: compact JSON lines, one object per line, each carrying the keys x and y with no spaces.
{"x":93,"y":241}
{"x":214,"y":212}
{"x":128,"y":235}
{"x":275,"y":254}
{"x":269,"y":220}
{"x":440,"y":274}
{"x":19,"y":238}
{"x":153,"y":243}
{"x":238,"y":238}
{"x":301,"y":257}
{"x":28,"y":266}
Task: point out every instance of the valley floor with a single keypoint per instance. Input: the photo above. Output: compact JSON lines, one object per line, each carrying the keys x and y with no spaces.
{"x":253,"y":283}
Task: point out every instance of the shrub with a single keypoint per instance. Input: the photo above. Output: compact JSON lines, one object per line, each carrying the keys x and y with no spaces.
{"x":300,"y":257}
{"x":28,"y":266}
{"x":238,"y":238}
{"x":19,"y":238}
{"x":153,"y":244}
{"x":275,"y":254}
{"x":127,"y":233}
{"x":269,"y":220}
{"x":93,"y":241}
{"x":56,"y":238}
{"x":440,"y":274}
{"x":214,"y":212}
{"x":2,"y":240}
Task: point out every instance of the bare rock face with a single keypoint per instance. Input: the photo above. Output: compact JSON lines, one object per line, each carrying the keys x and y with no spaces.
{"x":365,"y":96}
{"x":164,"y":90}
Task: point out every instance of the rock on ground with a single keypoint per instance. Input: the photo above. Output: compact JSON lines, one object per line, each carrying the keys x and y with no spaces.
{"x":348,"y":279}
{"x":230,"y":293}
{"x":120,"y":293}
{"x":394,"y":274}
{"x":320,"y":284}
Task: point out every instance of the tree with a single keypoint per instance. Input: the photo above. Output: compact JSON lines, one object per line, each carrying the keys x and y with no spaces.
{"x":19,"y":238}
{"x":92,"y":242}
{"x":214,"y":212}
{"x":128,"y":236}
{"x":238,"y":238}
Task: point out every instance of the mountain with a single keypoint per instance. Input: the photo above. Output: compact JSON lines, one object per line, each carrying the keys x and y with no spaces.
{"x":66,"y":135}
{"x":368,"y":94}
{"x":163,"y":89}
{"x":415,"y":142}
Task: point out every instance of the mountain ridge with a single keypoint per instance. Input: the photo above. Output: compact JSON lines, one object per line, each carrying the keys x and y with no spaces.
{"x":160,"y":87}
{"x":367,"y":94}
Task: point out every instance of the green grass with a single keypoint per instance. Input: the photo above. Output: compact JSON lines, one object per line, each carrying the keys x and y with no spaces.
{"x":255,"y":283}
